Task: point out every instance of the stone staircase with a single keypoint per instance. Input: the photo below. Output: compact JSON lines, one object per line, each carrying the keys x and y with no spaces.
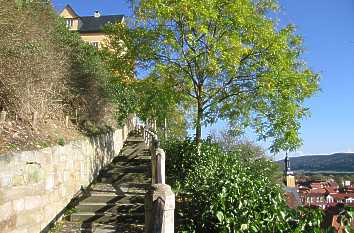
{"x":114,"y":202}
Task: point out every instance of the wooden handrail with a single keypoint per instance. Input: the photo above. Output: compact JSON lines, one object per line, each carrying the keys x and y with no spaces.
{"x":157,"y":155}
{"x":159,"y":200}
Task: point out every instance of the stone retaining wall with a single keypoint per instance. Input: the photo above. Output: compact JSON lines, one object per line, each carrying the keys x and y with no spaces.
{"x":35,"y":186}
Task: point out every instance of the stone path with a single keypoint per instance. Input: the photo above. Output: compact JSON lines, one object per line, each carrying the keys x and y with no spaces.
{"x":115,"y":200}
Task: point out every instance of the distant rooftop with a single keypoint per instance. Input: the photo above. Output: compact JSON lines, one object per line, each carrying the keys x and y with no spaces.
{"x":94,"y":23}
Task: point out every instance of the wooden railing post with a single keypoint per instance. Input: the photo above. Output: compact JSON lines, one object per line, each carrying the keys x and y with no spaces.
{"x":3,"y":116}
{"x":35,"y":119}
{"x":160,"y":166}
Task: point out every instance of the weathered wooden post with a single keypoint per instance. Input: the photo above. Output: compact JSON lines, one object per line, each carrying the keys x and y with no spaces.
{"x":3,"y":116}
{"x":76,"y":117}
{"x":35,"y":119}
{"x":159,"y":158}
{"x":67,"y":121}
{"x":154,"y":148}
{"x":159,"y":209}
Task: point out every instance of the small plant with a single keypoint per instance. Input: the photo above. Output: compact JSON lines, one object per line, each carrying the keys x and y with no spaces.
{"x":69,"y":211}
{"x":12,"y":146}
{"x":42,"y":143}
{"x":57,"y":228}
{"x":61,"y":141}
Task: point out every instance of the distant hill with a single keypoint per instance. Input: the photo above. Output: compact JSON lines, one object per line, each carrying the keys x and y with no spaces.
{"x":338,"y":162}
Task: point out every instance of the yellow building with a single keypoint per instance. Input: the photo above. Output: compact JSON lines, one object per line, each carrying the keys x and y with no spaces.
{"x":89,"y":27}
{"x":289,"y":177}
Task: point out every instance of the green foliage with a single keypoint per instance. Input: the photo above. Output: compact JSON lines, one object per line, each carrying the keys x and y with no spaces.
{"x":124,"y":98}
{"x":61,"y":141}
{"x":158,"y":100}
{"x":57,"y":228}
{"x":155,"y":97}
{"x":224,"y":192}
{"x":229,"y":58}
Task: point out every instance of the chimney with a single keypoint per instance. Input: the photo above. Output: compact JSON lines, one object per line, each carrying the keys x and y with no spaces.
{"x":97,"y":14}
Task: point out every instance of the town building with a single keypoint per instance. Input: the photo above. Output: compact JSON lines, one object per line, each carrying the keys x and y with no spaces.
{"x":326,"y":195}
{"x":91,"y":28}
{"x":288,"y":174}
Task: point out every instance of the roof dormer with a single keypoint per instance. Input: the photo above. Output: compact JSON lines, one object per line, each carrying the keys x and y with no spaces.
{"x":68,"y":12}
{"x":71,"y":18}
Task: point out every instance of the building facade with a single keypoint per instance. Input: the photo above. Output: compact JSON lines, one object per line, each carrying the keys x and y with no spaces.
{"x":90,"y":28}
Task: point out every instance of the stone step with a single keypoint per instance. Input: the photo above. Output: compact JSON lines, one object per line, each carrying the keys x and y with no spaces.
{"x":133,"y":187}
{"x":113,"y":208}
{"x":135,"y":161}
{"x":135,"y":139}
{"x":75,"y":227}
{"x":126,"y":169}
{"x":132,"y":151}
{"x":122,"y":199}
{"x":115,"y":201}
{"x":107,"y":218}
{"x":123,"y":177}
{"x":119,"y":188}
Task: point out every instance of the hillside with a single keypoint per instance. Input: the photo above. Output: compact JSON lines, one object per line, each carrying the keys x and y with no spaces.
{"x":338,"y":162}
{"x":53,"y":87}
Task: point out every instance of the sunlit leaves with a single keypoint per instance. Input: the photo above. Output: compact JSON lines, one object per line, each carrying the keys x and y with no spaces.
{"x":230,"y":192}
{"x":229,"y":57}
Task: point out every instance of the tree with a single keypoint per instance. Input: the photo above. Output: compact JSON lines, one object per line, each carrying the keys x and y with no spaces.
{"x":157,"y":101}
{"x":227,"y":56}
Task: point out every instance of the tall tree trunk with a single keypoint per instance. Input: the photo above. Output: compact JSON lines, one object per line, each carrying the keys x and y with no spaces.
{"x":198,"y":128}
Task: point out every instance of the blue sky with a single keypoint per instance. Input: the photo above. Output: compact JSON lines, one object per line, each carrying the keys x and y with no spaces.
{"x":327,"y":27}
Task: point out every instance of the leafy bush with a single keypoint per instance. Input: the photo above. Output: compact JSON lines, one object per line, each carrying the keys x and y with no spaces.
{"x":224,"y":192}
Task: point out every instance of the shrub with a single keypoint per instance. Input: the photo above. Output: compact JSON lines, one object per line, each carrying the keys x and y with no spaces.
{"x":224,"y":192}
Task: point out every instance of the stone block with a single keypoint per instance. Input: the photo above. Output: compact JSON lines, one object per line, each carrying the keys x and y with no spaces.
{"x":18,"y":205}
{"x":34,"y":228}
{"x":33,"y":202}
{"x":49,"y":212}
{"x":18,"y":192}
{"x":27,"y":156}
{"x":8,"y":225}
{"x":5,"y":181}
{"x":34,"y":173}
{"x":49,"y":185}
{"x":29,"y":218}
{"x":18,"y":180}
{"x":69,"y":165}
{"x":5,"y":211}
{"x":20,"y":230}
{"x":6,"y":159}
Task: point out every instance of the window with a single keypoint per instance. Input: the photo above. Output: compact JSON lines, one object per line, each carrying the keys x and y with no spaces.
{"x":95,"y":44}
{"x":69,"y":23}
